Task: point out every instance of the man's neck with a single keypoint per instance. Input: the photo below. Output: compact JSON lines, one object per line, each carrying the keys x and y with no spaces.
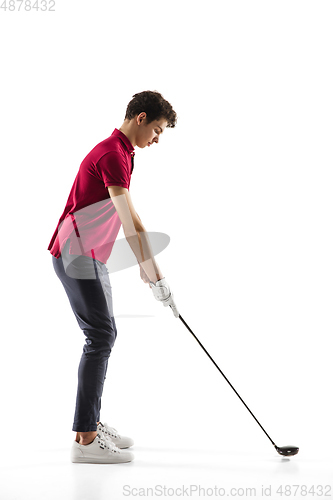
{"x":126,"y":129}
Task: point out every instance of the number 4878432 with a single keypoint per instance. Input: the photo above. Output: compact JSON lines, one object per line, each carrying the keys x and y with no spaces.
{"x":27,"y":5}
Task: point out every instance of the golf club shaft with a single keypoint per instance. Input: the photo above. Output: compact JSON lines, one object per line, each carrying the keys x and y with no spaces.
{"x":226,"y":379}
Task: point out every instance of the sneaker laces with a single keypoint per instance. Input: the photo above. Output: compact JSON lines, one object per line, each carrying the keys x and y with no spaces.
{"x":110,"y":432}
{"x":106,"y":443}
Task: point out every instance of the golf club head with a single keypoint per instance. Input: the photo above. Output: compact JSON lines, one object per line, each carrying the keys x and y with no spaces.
{"x":287,"y":451}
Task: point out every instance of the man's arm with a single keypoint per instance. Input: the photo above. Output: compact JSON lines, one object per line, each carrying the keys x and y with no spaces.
{"x":134,"y":232}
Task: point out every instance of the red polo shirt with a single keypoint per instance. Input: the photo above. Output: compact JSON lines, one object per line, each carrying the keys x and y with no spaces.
{"x":90,"y":219}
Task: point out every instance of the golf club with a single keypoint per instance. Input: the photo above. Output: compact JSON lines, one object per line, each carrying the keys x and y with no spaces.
{"x":286,"y":451}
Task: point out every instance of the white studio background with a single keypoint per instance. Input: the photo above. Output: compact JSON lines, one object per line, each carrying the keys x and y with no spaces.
{"x":242,"y":185}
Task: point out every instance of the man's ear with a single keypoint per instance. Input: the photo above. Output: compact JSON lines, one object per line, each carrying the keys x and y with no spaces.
{"x":141,"y":117}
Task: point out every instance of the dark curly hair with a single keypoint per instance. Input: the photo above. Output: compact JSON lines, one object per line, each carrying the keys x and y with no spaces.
{"x":154,"y":105}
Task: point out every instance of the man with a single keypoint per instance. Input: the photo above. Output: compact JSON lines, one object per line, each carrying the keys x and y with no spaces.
{"x":98,"y":204}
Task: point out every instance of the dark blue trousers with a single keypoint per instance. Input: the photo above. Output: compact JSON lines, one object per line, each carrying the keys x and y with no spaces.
{"x":87,"y":285}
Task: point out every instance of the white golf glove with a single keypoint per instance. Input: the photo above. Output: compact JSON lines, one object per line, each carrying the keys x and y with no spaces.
{"x":162,"y":292}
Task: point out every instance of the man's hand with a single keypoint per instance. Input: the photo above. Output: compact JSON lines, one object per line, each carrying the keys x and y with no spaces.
{"x":162,"y":292}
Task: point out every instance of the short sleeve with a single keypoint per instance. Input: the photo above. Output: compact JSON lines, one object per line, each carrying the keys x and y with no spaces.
{"x":113,"y":169}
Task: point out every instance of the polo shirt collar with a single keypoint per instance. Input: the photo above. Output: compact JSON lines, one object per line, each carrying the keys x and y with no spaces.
{"x":124,"y":139}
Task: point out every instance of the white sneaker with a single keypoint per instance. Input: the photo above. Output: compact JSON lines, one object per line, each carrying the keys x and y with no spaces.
{"x":112,"y":434}
{"x":100,"y":451}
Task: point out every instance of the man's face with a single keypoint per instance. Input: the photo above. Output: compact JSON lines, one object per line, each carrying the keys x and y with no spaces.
{"x":148,"y":134}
